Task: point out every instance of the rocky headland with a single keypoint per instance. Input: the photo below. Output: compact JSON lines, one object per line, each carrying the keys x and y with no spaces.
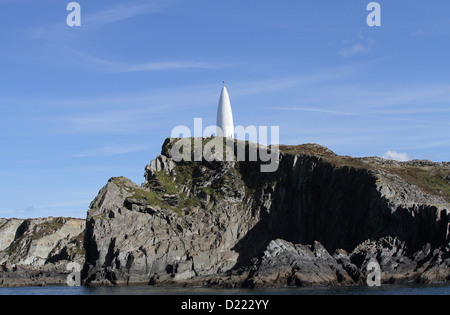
{"x":319,"y":219}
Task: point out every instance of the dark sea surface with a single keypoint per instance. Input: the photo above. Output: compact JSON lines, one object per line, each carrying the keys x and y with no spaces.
{"x":435,"y":289}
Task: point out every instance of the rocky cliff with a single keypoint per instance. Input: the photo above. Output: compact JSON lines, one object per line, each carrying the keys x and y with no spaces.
{"x":319,"y":218}
{"x":37,"y":251}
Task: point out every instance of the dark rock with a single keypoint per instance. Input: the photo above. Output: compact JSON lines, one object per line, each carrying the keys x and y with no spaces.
{"x":171,"y":200}
{"x":284,"y":263}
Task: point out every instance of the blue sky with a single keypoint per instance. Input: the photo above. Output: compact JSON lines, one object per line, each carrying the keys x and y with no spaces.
{"x":80,"y":105}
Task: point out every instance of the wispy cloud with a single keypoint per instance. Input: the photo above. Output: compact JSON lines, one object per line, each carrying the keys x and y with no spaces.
{"x":318,"y":77}
{"x":124,"y":11}
{"x":129,"y":113}
{"x":115,"y":67}
{"x":379,"y":115}
{"x":165,"y":65}
{"x":104,"y":123}
{"x":317,"y":110}
{"x":110,"y":13}
{"x":29,"y":209}
{"x":379,"y":99}
{"x":111,"y":150}
{"x":126,"y":114}
{"x":351,"y":47}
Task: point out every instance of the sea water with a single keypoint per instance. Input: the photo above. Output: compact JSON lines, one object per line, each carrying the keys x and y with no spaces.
{"x":435,"y":289}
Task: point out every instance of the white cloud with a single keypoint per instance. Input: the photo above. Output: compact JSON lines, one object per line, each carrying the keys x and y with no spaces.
{"x":393,"y":155}
{"x":354,"y":46}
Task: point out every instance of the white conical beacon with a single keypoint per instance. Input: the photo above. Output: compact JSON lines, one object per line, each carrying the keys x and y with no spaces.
{"x":225,"y":122}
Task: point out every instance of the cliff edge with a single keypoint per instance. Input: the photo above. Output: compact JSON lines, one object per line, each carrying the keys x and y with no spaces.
{"x":319,"y":218}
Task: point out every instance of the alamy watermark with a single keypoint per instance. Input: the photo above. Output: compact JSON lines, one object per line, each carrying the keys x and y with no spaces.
{"x":374,"y":17}
{"x":74,"y":278}
{"x":374,"y":276}
{"x":74,"y":17}
{"x":209,"y":144}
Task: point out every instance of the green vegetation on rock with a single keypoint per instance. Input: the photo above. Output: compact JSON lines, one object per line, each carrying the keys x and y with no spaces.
{"x":47,"y":227}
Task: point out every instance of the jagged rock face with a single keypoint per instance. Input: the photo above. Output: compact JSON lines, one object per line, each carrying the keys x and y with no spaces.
{"x":36,"y":251}
{"x":295,"y":264}
{"x":195,"y":220}
{"x":36,"y":242}
{"x":130,"y":240}
{"x":311,"y":200}
{"x":8,"y":230}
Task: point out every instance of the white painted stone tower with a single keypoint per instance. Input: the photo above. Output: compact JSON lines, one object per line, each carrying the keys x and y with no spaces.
{"x":225,"y":115}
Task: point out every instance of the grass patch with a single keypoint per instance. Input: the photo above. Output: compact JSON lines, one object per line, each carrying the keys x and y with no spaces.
{"x":135,"y":192}
{"x":47,"y":227}
{"x":307,"y":149}
{"x":100,"y":217}
{"x":149,"y":196}
{"x":185,"y":173}
{"x":188,"y":202}
{"x":14,"y":247}
{"x":169,"y":185}
{"x":167,"y":182}
{"x":325,"y":153}
{"x":430,"y":180}
{"x":213,"y":192}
